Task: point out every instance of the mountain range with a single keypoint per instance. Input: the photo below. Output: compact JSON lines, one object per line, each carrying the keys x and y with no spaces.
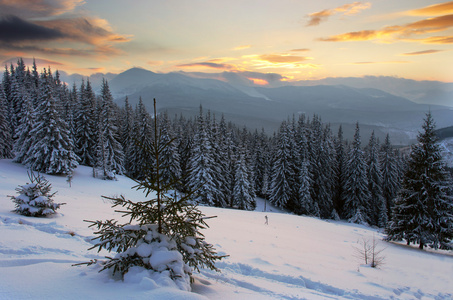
{"x":383,"y":104}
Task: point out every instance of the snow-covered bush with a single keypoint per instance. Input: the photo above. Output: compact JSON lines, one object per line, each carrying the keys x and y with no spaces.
{"x":35,"y":198}
{"x":143,"y":246}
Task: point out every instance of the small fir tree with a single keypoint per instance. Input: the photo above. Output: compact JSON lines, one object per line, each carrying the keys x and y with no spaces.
{"x":163,"y":233}
{"x":423,"y":210}
{"x":34,"y":198}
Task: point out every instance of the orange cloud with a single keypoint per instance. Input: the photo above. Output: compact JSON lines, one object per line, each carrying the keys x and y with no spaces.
{"x":300,"y":50}
{"x":212,"y":65}
{"x":155,"y":62}
{"x":433,"y":10}
{"x":347,"y":9}
{"x":436,"y":40}
{"x":380,"y":62}
{"x":421,"y":52}
{"x":242,"y":47}
{"x":282,"y":58}
{"x":430,"y":25}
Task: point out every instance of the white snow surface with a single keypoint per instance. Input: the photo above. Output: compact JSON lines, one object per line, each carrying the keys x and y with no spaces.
{"x":446,"y":147}
{"x":293,"y":257}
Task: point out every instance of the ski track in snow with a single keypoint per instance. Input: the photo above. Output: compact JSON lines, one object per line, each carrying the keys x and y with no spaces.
{"x":240,"y":274}
{"x":298,"y":287}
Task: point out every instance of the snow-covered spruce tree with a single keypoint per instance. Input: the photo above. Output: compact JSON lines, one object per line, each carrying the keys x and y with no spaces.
{"x":261,"y":163}
{"x":170,"y":166}
{"x":17,"y":92}
{"x":85,"y":125}
{"x":377,"y":207}
{"x":163,"y":234}
{"x":242,"y":198}
{"x":340,"y":171}
{"x":390,"y":174}
{"x":23,"y":137}
{"x":6,"y":139}
{"x":141,"y":135}
{"x":322,"y":167}
{"x":356,"y":190}
{"x":307,"y":205}
{"x":228,"y":149}
{"x":282,"y":170}
{"x":127,"y":127}
{"x":423,"y":211}
{"x":51,"y":148}
{"x":109,"y":156}
{"x":220,"y":164}
{"x":183,"y":129}
{"x":201,"y":176}
{"x":34,"y":198}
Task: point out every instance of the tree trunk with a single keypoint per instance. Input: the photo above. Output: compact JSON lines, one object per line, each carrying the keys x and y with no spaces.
{"x":421,"y":246}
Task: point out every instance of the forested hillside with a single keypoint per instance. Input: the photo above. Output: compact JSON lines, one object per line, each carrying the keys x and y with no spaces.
{"x":304,"y":167}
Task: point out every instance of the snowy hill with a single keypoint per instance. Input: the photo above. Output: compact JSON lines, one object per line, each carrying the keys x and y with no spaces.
{"x":293,"y":257}
{"x":446,"y":146}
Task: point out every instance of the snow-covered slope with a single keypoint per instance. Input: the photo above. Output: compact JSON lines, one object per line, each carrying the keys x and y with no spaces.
{"x":446,"y":146}
{"x":292,"y":257}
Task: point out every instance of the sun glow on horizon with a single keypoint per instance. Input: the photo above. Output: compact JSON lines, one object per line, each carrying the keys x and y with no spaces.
{"x":258,"y":81}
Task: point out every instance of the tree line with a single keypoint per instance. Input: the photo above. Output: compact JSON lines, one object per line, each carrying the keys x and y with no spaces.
{"x":304,"y":167}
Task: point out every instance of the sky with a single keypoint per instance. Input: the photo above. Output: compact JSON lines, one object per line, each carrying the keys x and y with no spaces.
{"x":287,"y":39}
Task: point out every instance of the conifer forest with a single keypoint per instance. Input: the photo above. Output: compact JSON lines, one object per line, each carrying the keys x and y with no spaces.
{"x":304,"y":167}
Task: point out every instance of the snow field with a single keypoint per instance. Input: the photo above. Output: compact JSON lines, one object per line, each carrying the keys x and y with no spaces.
{"x":292,"y":257}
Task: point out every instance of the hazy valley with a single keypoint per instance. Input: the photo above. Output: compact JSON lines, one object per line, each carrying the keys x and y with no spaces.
{"x":390,"y":107}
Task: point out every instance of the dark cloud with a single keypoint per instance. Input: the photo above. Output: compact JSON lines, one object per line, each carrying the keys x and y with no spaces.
{"x":14,"y":29}
{"x":300,"y":50}
{"x":421,"y":52}
{"x":270,"y":77}
{"x":29,"y":61}
{"x":207,"y":64}
{"x":347,"y":9}
{"x":38,"y":49}
{"x":38,"y":8}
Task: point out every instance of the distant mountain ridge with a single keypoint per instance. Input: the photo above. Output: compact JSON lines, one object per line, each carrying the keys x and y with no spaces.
{"x":445,"y":133}
{"x":243,"y":102}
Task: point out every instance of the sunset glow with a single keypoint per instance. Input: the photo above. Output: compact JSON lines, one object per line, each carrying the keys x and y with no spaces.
{"x":259,"y":81}
{"x":294,"y":39}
